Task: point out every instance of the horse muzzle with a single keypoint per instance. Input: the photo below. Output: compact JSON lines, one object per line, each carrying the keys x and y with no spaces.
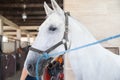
{"x":41,"y":67}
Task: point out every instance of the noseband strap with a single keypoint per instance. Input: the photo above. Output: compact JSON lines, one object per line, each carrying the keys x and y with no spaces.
{"x":36,"y":50}
{"x":63,"y":41}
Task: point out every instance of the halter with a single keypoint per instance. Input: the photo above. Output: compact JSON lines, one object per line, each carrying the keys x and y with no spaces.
{"x":63,"y":41}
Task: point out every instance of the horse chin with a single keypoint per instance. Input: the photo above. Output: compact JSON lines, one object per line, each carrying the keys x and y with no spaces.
{"x":43,"y":64}
{"x":40,"y":70}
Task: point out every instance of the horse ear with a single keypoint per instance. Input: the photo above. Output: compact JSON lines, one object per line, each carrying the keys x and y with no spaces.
{"x":48,"y":10}
{"x":56,"y":7}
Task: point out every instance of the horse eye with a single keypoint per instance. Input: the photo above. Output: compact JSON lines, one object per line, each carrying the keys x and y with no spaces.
{"x":52,"y":28}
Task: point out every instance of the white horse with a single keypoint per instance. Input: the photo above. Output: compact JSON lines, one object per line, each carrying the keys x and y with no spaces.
{"x":91,"y":63}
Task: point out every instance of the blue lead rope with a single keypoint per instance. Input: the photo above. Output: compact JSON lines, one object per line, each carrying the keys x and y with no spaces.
{"x":87,"y":45}
{"x":46,"y":56}
{"x":37,"y":64}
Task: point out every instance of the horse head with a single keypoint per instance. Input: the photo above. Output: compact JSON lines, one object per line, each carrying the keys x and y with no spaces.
{"x":51,"y":32}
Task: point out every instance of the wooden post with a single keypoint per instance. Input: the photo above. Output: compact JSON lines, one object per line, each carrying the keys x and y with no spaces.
{"x":18,"y":38}
{"x":1,"y":36}
{"x":28,"y":38}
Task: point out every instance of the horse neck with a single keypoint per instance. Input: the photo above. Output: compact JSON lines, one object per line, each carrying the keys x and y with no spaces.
{"x":79,"y":34}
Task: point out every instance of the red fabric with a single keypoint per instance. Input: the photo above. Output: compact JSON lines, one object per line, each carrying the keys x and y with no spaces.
{"x":46,"y":75}
{"x":61,"y":76}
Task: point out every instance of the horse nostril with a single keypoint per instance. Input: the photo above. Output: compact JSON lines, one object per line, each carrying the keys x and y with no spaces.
{"x":30,"y":67}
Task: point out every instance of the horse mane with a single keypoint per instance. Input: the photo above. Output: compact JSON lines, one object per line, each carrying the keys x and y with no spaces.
{"x":81,"y":31}
{"x":74,"y":22}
